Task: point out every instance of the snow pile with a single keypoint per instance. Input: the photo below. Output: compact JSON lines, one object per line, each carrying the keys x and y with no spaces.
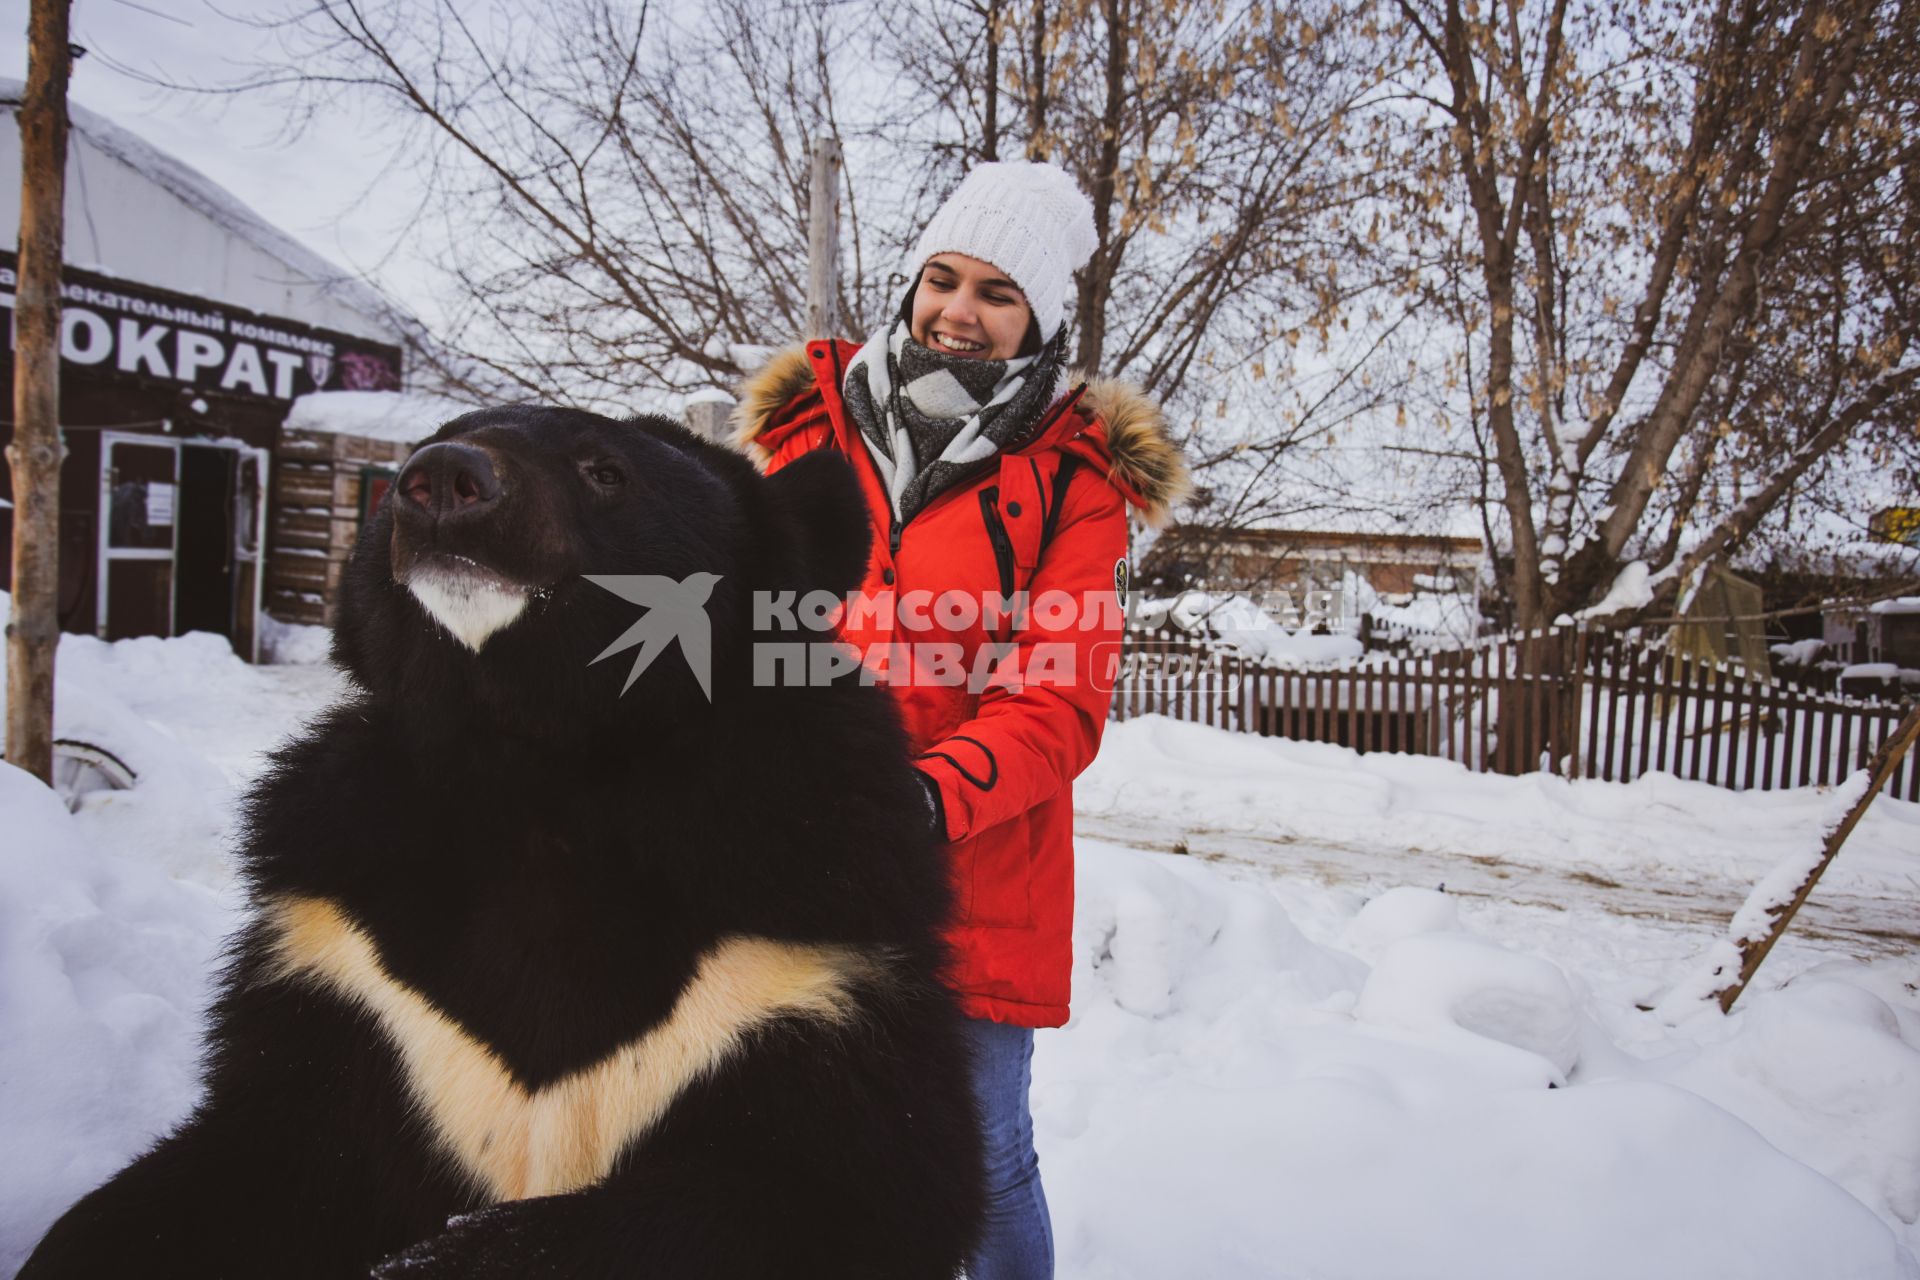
{"x":1448,"y":617}
{"x":293,"y":642}
{"x":1245,"y":628}
{"x":1830,"y":1072}
{"x":1234,"y":1100}
{"x":1451,"y":980}
{"x":1798,"y":653}
{"x":105,"y":964}
{"x":405,"y":417}
{"x":1632,"y":589}
{"x":190,"y":720}
{"x":1400,"y":912}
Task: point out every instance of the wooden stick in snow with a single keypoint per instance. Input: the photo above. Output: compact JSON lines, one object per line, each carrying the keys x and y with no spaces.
{"x":823,"y":239}
{"x":1771,"y":906}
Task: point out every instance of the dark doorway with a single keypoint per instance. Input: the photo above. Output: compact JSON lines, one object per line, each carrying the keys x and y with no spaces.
{"x":203,"y":557}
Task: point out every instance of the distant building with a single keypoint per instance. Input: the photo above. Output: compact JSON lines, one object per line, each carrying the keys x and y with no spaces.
{"x":190,"y":326}
{"x":1884,"y":632}
{"x":1262,"y":563}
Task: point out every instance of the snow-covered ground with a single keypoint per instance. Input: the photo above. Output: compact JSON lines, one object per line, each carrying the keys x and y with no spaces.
{"x":1292,"y":1054}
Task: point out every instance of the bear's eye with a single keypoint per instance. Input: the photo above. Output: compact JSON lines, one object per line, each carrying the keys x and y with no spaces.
{"x":606,"y":473}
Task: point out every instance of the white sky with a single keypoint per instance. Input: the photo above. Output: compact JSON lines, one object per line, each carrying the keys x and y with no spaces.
{"x":328,"y":187}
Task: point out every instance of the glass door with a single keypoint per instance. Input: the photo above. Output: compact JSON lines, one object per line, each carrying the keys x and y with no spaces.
{"x":139,"y":493}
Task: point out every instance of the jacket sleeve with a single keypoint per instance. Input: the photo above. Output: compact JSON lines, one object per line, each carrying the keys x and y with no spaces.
{"x":1033,"y":733}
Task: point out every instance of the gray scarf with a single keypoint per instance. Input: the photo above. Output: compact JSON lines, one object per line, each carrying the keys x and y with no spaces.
{"x":913,"y":403}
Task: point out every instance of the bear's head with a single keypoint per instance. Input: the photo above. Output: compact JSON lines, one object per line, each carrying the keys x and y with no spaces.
{"x":539,"y":570}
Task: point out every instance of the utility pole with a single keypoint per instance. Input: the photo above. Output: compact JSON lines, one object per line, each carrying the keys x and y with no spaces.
{"x":823,"y":240}
{"x":33,"y":631}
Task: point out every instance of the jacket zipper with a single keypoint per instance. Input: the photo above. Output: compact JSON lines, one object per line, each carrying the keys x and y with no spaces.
{"x":997,"y":535}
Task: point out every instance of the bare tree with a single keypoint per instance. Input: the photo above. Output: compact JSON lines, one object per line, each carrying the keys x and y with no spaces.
{"x":1686,"y":236}
{"x":1209,"y":137}
{"x":619,"y":203}
{"x":1215,"y":140}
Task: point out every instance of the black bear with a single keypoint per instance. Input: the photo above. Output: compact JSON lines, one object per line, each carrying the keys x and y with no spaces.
{"x":545,"y":975}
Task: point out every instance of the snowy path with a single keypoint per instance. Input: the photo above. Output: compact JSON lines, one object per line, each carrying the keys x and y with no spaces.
{"x":1840,"y":921}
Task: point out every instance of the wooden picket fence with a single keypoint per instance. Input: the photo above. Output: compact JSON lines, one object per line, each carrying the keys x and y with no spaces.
{"x":1574,"y":701}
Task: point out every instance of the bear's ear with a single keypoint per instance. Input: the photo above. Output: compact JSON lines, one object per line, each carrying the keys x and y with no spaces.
{"x":817,"y":512}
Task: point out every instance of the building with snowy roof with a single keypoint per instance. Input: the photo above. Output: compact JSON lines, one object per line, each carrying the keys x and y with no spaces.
{"x":190,"y":326}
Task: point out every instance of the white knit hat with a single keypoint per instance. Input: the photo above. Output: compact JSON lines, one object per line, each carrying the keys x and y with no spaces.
{"x":1026,"y":218}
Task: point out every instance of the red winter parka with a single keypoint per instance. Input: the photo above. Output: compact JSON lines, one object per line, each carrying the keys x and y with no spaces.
{"x":1049,"y":519}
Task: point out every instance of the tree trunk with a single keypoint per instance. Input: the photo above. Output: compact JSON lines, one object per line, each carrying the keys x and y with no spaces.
{"x":1096,"y":281}
{"x":33,"y":632}
{"x":990,"y":124}
{"x":1037,"y":148}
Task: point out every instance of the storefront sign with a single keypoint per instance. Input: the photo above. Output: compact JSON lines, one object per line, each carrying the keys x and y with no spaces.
{"x":129,"y":331}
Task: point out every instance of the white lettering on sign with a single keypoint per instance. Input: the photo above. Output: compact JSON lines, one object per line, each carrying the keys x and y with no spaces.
{"x":244,"y":370}
{"x":193,"y":352}
{"x":84,"y":337}
{"x":284,"y":365}
{"x":185,"y":343}
{"x":140,"y":349}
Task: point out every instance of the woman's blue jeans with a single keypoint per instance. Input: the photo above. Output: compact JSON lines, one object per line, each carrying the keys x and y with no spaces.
{"x":1017,"y":1243}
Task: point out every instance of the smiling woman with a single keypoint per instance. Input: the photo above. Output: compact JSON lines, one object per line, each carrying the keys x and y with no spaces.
{"x":990,"y":473}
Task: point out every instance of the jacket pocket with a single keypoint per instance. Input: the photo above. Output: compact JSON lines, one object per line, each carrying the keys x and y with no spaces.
{"x":997,"y":536}
{"x":999,"y":876}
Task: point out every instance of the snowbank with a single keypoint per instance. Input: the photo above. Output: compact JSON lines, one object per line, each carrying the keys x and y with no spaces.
{"x":1232,"y":1100}
{"x":1247,"y":629}
{"x":104,"y":971}
{"x":1152,"y":766}
{"x":293,"y":642}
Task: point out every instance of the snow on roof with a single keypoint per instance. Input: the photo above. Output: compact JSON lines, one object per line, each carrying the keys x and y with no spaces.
{"x":406,"y":417}
{"x":1905,"y":604}
{"x":220,"y":205}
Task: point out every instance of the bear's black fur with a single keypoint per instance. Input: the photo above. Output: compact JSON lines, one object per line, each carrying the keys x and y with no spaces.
{"x":489,"y":870}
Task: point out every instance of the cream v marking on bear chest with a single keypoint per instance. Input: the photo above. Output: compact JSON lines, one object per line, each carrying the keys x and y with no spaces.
{"x":514,"y":1143}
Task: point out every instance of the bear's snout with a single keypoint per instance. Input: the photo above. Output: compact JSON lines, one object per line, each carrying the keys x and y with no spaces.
{"x":446,"y":479}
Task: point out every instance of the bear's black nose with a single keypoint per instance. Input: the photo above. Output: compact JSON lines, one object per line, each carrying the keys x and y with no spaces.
{"x":444,"y":478}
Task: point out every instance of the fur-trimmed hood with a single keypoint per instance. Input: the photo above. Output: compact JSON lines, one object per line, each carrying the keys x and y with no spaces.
{"x":1130,"y":429}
